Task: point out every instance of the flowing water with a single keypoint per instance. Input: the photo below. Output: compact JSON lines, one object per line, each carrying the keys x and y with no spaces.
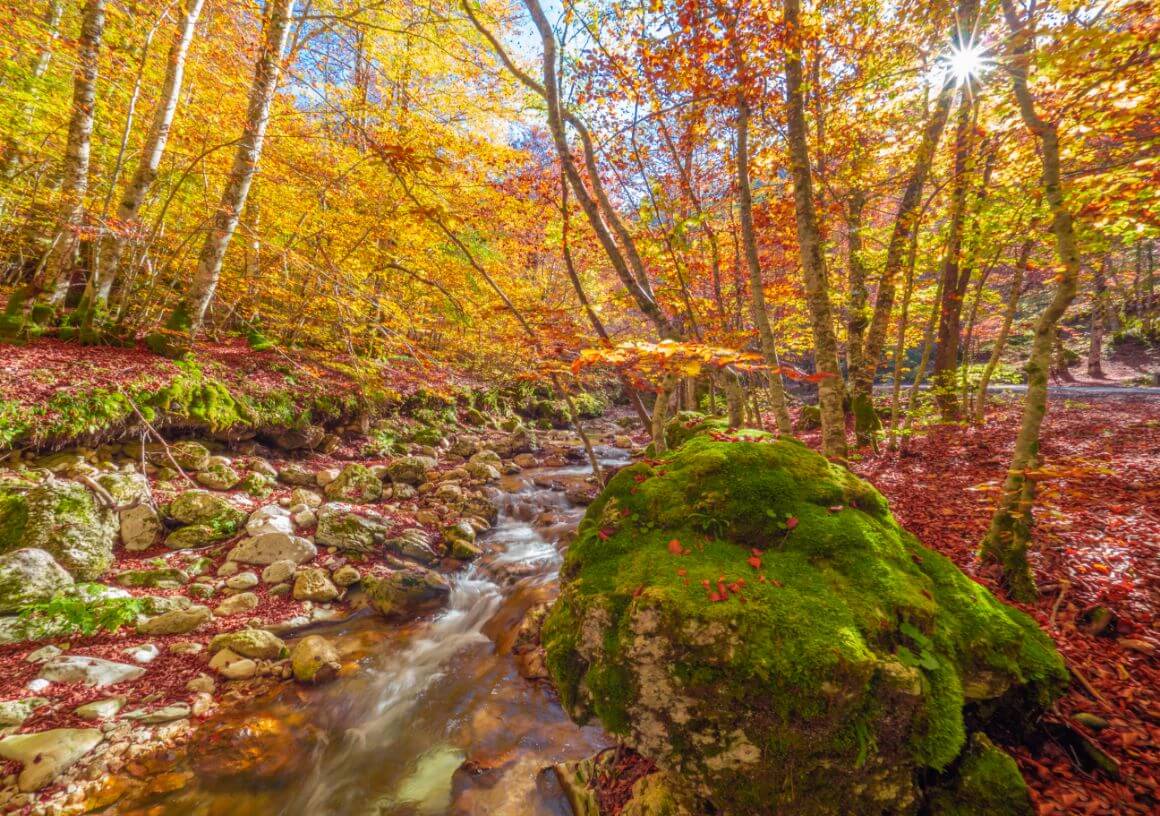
{"x":433,"y":718}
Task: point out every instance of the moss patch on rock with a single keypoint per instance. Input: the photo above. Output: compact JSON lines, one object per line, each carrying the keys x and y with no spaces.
{"x":753,"y":619}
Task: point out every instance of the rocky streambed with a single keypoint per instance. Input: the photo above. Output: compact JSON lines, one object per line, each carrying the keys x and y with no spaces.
{"x":295,"y":632}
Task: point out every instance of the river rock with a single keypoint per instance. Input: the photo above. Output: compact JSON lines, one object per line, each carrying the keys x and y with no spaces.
{"x":526,"y":460}
{"x":47,"y":754}
{"x":406,"y":591}
{"x":305,"y":438}
{"x":411,"y":470}
{"x":92,"y":671}
{"x":269,"y":518}
{"x":189,"y":456}
{"x":218,"y":476}
{"x":257,"y":644}
{"x":279,"y":571}
{"x":306,"y":497}
{"x":243,"y":580}
{"x":414,"y":543}
{"x":347,"y":531}
{"x":295,"y":473}
{"x":325,"y":476}
{"x":314,"y":660}
{"x":13,"y":713}
{"x":483,"y":471}
{"x":356,"y":484}
{"x":236,"y":604}
{"x":836,"y":686}
{"x":232,"y":666}
{"x":63,"y":519}
{"x":346,"y":575}
{"x":140,"y":527}
{"x":104,"y":709}
{"x":200,"y":507}
{"x":270,"y":547}
{"x":29,"y":576}
{"x":164,"y":577}
{"x":314,"y":584}
{"x":177,"y":622}
{"x":460,"y":540}
{"x":156,"y":716}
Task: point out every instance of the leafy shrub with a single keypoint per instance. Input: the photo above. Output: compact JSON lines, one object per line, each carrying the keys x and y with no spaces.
{"x":82,"y":610}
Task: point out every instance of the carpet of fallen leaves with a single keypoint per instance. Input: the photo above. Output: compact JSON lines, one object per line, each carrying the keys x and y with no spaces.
{"x":1097,"y":544}
{"x":35,"y":372}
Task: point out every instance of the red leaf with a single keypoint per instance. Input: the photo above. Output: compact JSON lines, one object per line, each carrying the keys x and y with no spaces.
{"x":675,"y":547}
{"x":755,"y":562}
{"x":791,"y":522}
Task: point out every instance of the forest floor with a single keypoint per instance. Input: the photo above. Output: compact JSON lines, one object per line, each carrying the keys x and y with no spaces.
{"x":1097,"y":537}
{"x":1097,"y":544}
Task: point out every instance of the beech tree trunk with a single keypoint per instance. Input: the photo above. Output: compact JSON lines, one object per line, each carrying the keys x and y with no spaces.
{"x":753,"y":265}
{"x":75,"y":180}
{"x":1007,"y":539}
{"x":954,"y":277}
{"x":101,"y":282}
{"x":905,"y":222}
{"x":1099,"y":315}
{"x":830,"y":388}
{"x":900,"y":341}
{"x":856,"y":317}
{"x":1004,"y":329}
{"x":191,"y":313}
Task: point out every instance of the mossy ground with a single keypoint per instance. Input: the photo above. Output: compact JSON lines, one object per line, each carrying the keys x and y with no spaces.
{"x":849,"y":647}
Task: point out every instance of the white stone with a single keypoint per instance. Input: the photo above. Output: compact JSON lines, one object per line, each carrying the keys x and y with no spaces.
{"x":47,"y":754}
{"x":270,"y":547}
{"x":269,"y":518}
{"x":100,"y":709}
{"x":243,"y":580}
{"x":233,"y":666}
{"x":140,"y":527}
{"x":92,"y":671}
{"x":145,"y":653}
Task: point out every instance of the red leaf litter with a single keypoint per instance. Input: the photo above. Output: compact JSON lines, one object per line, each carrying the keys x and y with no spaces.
{"x":1097,"y":533}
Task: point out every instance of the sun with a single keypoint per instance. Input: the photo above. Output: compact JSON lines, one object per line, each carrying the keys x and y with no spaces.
{"x":966,"y":62}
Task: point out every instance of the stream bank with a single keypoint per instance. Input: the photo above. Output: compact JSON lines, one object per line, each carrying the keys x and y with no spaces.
{"x":349,"y":526}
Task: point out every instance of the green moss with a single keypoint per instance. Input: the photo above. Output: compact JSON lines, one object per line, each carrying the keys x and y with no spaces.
{"x":844,"y":669}
{"x":986,"y":781}
{"x":13,"y":518}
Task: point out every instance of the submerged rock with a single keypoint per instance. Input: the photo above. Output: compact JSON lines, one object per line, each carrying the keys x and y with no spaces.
{"x":314,"y":660}
{"x":29,"y":576}
{"x":751,"y":618}
{"x":406,"y":591}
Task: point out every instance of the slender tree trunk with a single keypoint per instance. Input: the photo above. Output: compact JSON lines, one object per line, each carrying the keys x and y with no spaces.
{"x":1149,"y":290}
{"x":753,"y":264}
{"x":1007,"y":539}
{"x":1004,"y":329}
{"x":101,"y":283}
{"x":830,"y":389}
{"x":191,"y":313}
{"x":1099,"y":312}
{"x":626,"y":263}
{"x":900,"y":340}
{"x":905,"y":222}
{"x":75,"y":182}
{"x":946,"y":358}
{"x":928,"y":336}
{"x":856,"y":316}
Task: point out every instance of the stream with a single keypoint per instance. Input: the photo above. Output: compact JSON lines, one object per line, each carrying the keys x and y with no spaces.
{"x":431,"y":717}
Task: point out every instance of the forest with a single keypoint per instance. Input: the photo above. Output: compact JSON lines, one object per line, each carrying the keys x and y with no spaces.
{"x":551,"y":407}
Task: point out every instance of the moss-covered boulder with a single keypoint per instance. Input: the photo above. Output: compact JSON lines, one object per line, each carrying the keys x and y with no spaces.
{"x":65,"y":520}
{"x":411,"y":470}
{"x":356,"y":483}
{"x":751,"y":617}
{"x":201,"y":507}
{"x":987,"y":780}
{"x":30,"y":576}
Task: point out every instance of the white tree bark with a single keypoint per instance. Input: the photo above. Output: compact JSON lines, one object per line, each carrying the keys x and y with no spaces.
{"x":101,"y":283}
{"x":225,"y":220}
{"x":75,"y":179}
